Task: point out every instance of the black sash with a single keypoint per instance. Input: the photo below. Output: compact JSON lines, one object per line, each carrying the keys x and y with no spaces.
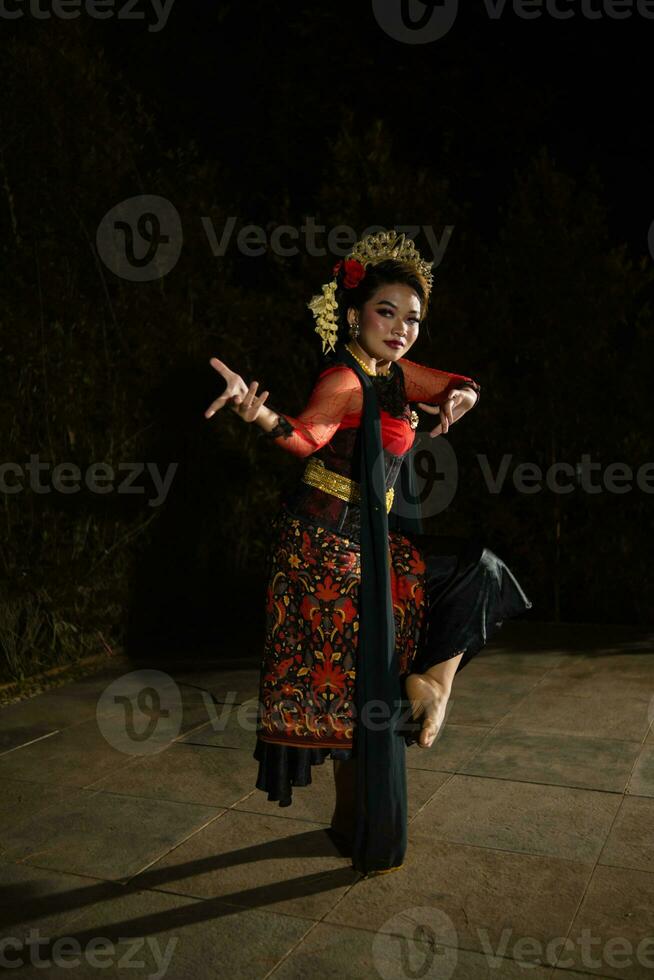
{"x":380,"y":839}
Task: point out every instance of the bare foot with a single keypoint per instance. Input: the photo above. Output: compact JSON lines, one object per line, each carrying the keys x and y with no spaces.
{"x":428,"y":702}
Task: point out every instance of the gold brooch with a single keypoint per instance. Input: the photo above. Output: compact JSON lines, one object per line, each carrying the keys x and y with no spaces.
{"x":414,"y":420}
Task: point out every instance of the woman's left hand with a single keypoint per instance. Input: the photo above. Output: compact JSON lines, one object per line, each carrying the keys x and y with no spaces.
{"x":458,"y":402}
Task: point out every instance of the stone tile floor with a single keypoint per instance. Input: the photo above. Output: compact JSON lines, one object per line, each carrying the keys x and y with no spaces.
{"x":133,"y":841}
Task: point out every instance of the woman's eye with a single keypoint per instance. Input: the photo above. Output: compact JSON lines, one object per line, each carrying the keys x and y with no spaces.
{"x":412,"y":319}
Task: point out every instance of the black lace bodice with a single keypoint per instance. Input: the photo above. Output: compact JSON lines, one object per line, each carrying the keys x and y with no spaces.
{"x":342,"y":455}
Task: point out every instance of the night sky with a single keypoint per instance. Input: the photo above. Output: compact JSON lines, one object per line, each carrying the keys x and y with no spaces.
{"x":264,"y":85}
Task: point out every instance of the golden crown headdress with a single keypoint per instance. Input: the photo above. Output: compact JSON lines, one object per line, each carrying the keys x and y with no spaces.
{"x":369,"y":251}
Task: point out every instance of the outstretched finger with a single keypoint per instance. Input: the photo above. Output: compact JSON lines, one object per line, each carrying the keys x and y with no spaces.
{"x":250,"y":395}
{"x":257,"y":403}
{"x":217,"y":405}
{"x":220,"y":366}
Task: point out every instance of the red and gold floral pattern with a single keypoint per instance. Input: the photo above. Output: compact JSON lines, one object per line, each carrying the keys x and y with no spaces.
{"x":307,"y":687}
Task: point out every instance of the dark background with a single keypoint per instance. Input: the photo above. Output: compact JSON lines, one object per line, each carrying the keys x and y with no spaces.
{"x":530,"y":137}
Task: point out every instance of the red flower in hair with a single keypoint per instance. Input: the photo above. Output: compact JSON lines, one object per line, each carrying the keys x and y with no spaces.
{"x":353,"y":273}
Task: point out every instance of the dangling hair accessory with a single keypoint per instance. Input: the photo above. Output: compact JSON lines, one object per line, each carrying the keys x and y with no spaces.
{"x":349,"y":272}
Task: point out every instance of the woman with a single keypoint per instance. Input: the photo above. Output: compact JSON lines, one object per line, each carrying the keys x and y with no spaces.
{"x":365,"y":613}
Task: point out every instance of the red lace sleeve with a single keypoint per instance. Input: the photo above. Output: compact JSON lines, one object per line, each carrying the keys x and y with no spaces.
{"x":336,"y":393}
{"x":431,"y":386}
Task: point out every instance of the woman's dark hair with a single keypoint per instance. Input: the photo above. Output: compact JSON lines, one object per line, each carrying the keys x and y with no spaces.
{"x":383,"y":273}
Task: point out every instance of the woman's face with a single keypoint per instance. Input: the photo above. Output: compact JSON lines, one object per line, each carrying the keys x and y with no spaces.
{"x":391,"y":313}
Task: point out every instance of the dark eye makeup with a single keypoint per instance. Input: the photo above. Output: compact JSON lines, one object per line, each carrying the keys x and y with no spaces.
{"x":385,"y":309}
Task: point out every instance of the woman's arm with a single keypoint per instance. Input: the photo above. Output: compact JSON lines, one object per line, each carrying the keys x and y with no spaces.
{"x":431,"y":386}
{"x":336,"y":393}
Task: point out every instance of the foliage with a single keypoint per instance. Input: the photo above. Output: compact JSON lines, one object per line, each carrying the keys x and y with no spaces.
{"x":551,"y":317}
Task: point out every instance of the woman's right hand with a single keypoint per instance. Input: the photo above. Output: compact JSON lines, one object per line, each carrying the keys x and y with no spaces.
{"x":241,"y":399}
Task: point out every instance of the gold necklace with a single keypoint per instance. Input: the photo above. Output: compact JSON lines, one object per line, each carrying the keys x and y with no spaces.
{"x":413,"y":419}
{"x":365,"y":367}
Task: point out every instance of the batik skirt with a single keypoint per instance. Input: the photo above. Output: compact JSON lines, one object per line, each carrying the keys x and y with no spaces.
{"x":449,"y":595}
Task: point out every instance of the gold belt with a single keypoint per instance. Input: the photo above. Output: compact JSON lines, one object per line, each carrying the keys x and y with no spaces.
{"x":316,"y":474}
